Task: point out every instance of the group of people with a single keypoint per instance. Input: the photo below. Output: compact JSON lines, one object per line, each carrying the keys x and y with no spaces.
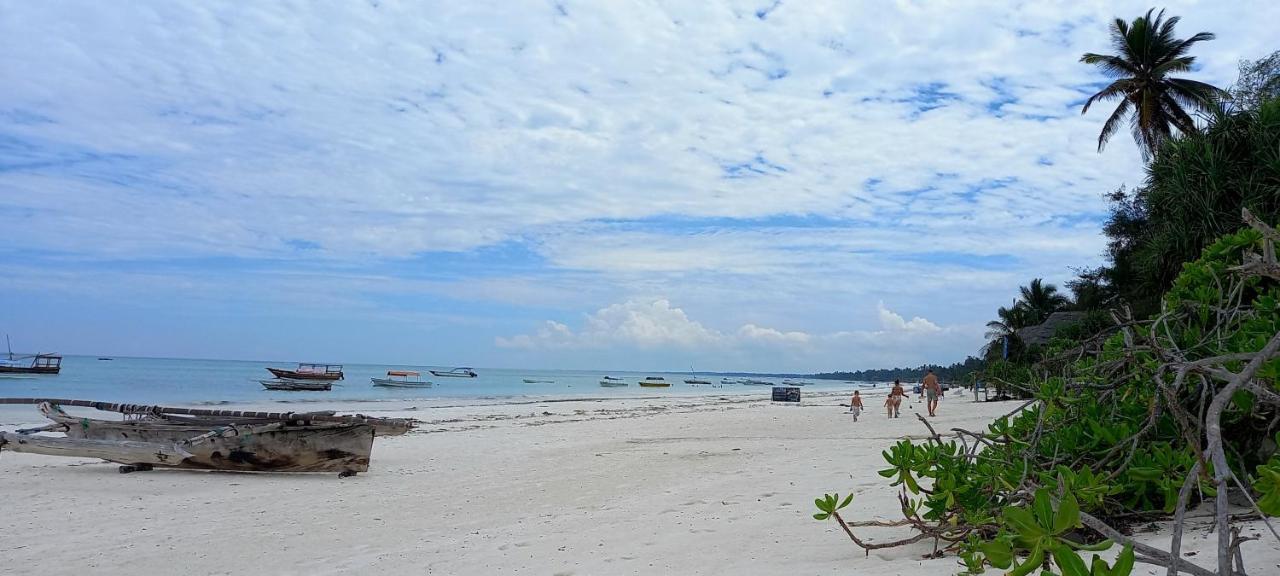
{"x":930,"y":389}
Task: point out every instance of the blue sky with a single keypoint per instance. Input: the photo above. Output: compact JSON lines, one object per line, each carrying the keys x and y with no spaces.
{"x":735,"y":185}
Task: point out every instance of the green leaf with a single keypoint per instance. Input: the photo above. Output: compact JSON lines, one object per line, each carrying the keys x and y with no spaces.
{"x":847,"y":500}
{"x":822,"y":505}
{"x":1022,"y":523}
{"x":1100,"y":546}
{"x":1124,"y":562}
{"x":821,"y":516}
{"x":1068,"y":515}
{"x":1043,"y":507}
{"x":998,"y":553}
{"x":1069,"y":563}
{"x":1033,"y":561}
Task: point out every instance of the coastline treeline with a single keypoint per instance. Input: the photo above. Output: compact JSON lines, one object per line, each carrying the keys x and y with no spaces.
{"x":957,"y":372}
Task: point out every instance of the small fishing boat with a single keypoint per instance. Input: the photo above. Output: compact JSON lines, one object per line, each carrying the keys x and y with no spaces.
{"x":104,"y":358}
{"x":455,"y":373}
{"x":613,"y":383}
{"x":532,"y":381}
{"x":254,"y":442}
{"x":750,"y":382}
{"x":286,"y":385}
{"x":728,"y":381}
{"x":794,"y":383}
{"x":401,"y":379}
{"x":655,"y":382}
{"x":696,"y":381}
{"x":328,"y":372}
{"x":615,"y":379}
{"x":29,"y":363}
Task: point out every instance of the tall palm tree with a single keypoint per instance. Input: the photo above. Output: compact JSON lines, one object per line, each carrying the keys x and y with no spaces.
{"x":1156,"y":103}
{"x":1010,"y":320}
{"x":1041,"y":300}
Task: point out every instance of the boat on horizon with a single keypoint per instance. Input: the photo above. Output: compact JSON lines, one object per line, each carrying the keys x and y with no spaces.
{"x":655,"y":382}
{"x":532,"y":381}
{"x":105,"y":358}
{"x":306,"y":371}
{"x":615,"y":379}
{"x":750,"y":382}
{"x":400,"y":379}
{"x":696,"y":381}
{"x":287,"y":385}
{"x":462,"y":372}
{"x":615,"y":383}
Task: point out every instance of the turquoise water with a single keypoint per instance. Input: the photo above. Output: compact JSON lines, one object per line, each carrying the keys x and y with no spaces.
{"x":179,"y":381}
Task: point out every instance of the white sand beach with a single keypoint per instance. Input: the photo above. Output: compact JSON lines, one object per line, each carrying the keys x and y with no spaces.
{"x":705,"y":485}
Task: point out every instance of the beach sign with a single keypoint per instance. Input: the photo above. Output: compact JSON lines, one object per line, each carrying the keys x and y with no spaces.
{"x":786,"y":394}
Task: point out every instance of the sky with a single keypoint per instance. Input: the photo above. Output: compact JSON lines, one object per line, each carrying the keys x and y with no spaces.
{"x":764,"y":186}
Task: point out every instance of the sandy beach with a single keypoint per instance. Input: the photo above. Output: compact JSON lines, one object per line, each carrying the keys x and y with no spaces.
{"x":703,"y":485}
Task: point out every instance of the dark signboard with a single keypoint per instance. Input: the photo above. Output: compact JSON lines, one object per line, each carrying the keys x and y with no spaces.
{"x":786,"y":393}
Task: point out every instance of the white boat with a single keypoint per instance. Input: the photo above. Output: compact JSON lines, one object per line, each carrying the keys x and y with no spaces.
{"x":794,"y":383}
{"x":532,"y":381}
{"x":613,"y":383}
{"x":696,"y":381}
{"x":401,"y":379}
{"x":613,"y":378}
{"x":455,"y":373}
{"x":749,"y":382}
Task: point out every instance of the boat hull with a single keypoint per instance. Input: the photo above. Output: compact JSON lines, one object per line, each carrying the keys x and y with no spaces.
{"x":656,"y":384}
{"x":613,"y":384}
{"x":452,"y":374}
{"x":295,"y":386}
{"x":296,"y":446}
{"x":388,"y":383}
{"x":30,"y":369}
{"x":296,"y":375}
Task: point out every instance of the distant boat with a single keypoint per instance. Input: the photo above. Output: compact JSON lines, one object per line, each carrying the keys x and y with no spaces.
{"x":30,"y":363}
{"x":400,"y":379}
{"x":728,"y":381}
{"x":655,"y":382}
{"x":696,"y":381}
{"x":328,"y":372}
{"x":794,"y":383}
{"x":613,"y":378}
{"x":613,"y":383}
{"x":455,"y":373}
{"x":532,"y":381}
{"x":286,"y":385}
{"x":872,"y":385}
{"x":749,"y":382}
{"x":105,"y":358}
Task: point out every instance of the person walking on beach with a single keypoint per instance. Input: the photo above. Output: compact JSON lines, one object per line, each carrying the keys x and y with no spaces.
{"x":855,"y":405}
{"x":894,"y":402}
{"x":932,"y":391}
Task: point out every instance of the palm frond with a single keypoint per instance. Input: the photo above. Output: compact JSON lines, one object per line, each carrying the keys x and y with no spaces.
{"x":1113,"y":123}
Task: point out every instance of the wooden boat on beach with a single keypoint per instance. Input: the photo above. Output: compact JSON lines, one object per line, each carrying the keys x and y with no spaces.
{"x":401,"y":379}
{"x":455,"y":373}
{"x":616,"y":383}
{"x":206,"y":439}
{"x":304,"y":371}
{"x":655,"y":382}
{"x":287,"y":385}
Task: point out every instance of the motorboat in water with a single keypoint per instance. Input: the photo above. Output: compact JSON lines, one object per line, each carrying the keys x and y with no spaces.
{"x":696,"y":381}
{"x":655,"y":382}
{"x":402,"y":379}
{"x":616,"y":383}
{"x":307,"y":371}
{"x":455,"y":373}
{"x":532,"y":381}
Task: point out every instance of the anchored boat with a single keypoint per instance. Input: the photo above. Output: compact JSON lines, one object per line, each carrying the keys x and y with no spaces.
{"x":305,"y":371}
{"x":287,"y":385}
{"x":655,"y":382}
{"x":455,"y":373}
{"x":30,"y":363}
{"x":401,"y":379}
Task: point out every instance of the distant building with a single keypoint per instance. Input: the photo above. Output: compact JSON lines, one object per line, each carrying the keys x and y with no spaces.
{"x":1040,"y":335}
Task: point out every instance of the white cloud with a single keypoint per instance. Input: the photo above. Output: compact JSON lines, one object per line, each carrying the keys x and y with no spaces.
{"x":891,"y":321}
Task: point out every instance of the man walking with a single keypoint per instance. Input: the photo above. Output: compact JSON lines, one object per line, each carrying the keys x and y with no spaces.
{"x":932,"y":391}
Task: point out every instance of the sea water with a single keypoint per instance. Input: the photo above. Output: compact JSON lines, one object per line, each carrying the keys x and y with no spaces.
{"x":210,"y":382}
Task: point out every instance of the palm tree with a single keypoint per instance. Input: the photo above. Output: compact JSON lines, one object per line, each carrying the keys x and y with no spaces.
{"x":1146,"y":54}
{"x":1011,"y":320}
{"x":1040,"y":300}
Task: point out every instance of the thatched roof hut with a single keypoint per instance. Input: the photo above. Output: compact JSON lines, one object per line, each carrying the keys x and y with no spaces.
{"x":1042,"y":333}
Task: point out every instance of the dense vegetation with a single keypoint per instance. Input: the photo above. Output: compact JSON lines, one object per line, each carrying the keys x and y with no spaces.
{"x":1164,"y":394}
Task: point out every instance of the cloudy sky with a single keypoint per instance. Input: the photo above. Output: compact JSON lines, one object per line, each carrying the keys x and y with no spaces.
{"x":768,"y":185}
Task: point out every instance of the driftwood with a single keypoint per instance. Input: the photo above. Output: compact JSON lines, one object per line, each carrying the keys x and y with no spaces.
{"x":384,"y":426}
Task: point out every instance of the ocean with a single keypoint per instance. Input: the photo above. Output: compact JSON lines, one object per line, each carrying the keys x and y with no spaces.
{"x":212,"y":382}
